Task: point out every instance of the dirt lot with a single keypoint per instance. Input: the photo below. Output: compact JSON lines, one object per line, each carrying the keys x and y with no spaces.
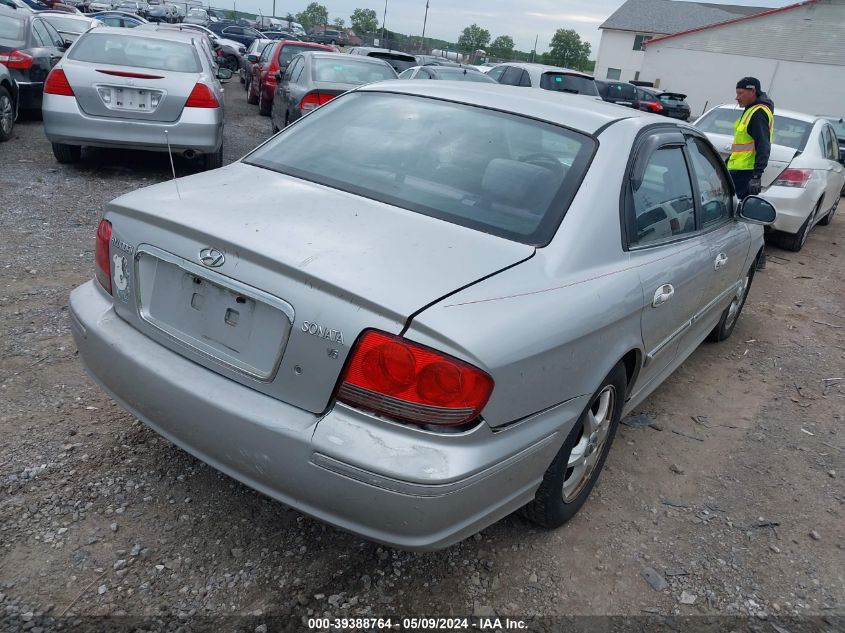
{"x":735,"y":499}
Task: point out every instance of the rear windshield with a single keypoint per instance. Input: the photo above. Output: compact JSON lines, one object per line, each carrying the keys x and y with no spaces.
{"x":618,"y":91}
{"x":397,"y":60}
{"x":138,"y":52}
{"x":499,"y":173}
{"x":290,"y":50}
{"x":838,"y":127}
{"x":461,"y":74}
{"x":68,"y":25}
{"x":563,"y":82}
{"x":11,"y":29}
{"x":788,"y":132}
{"x":350,"y":71}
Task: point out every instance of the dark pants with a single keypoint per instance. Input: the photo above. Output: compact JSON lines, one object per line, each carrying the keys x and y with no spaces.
{"x":741,"y":180}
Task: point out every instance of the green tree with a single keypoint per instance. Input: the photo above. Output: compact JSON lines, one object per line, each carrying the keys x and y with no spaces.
{"x":315,"y":14}
{"x":502,"y":47}
{"x":364,"y":21}
{"x":472,"y":38}
{"x":339,"y":23}
{"x":567,"y":49}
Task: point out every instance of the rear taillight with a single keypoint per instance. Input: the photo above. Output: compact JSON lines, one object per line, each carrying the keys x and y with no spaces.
{"x":400,"y":379}
{"x":653,"y":106}
{"x":57,"y":84}
{"x":16,"y":59}
{"x":793,"y":178}
{"x":314,"y":100}
{"x":202,"y":97}
{"x":101,"y":255}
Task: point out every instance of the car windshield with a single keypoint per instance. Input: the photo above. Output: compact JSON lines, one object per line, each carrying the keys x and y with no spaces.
{"x":350,"y":71}
{"x":461,"y":74}
{"x":68,"y":25}
{"x":139,"y":52}
{"x":494,"y":172}
{"x":564,"y":82}
{"x":11,"y":29}
{"x":788,"y":132}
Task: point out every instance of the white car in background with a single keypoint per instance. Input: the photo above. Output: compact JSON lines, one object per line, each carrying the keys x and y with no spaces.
{"x":804,"y":177}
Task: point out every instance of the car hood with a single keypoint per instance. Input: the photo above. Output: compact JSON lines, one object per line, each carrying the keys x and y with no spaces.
{"x":371,"y":252}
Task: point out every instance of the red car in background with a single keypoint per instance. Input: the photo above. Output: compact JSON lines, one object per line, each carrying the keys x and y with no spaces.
{"x":275,"y":59}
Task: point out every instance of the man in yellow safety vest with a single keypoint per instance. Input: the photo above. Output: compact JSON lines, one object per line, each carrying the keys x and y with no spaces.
{"x":752,"y":140}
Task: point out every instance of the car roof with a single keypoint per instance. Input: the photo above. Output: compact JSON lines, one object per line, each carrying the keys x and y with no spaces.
{"x":572,"y":111}
{"x":792,"y":114}
{"x":544,"y":68}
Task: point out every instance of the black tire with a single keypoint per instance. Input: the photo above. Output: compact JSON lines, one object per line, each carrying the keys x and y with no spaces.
{"x":263,"y":107}
{"x":249,"y":98}
{"x":549,"y":509}
{"x":67,"y":154}
{"x":7,"y":115}
{"x":795,"y":242}
{"x":727,"y":322}
{"x":213,"y":161}
{"x":231,"y":62}
{"x":826,"y":220}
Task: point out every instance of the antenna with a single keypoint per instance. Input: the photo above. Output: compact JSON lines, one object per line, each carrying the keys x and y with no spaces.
{"x":172,"y":167}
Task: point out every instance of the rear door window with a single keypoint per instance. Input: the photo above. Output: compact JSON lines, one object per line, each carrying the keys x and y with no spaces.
{"x":497,"y":72}
{"x":42,"y":37}
{"x":512,"y":76}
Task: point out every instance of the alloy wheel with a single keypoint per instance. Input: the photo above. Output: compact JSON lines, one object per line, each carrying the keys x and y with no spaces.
{"x":587,"y":451}
{"x":7,"y":114}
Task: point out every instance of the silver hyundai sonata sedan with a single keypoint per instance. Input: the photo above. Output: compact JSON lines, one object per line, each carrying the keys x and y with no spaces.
{"x":136,"y":89}
{"x":416,"y":342}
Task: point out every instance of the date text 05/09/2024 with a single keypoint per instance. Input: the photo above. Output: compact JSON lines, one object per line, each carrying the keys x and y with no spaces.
{"x":417,"y":624}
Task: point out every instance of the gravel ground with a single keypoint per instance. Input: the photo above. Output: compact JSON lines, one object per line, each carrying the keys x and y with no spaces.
{"x":728,"y":509}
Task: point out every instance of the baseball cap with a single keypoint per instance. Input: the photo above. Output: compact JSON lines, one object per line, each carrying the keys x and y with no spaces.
{"x":748,"y":83}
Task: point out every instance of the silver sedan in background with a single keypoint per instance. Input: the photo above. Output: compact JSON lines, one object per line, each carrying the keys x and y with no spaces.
{"x":135,"y":89}
{"x":417,"y":341}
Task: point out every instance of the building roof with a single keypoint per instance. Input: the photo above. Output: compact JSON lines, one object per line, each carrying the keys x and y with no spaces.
{"x":672,"y":16}
{"x":763,"y":13}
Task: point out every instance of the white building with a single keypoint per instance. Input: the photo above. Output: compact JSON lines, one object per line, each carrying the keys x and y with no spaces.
{"x":621,"y":49}
{"x":797,"y":53}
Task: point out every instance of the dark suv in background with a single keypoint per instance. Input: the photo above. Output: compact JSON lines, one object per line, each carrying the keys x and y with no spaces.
{"x":619,"y":92}
{"x":671,"y":104}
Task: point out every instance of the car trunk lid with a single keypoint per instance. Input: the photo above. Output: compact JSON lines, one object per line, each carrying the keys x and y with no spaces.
{"x":125,"y":92}
{"x":305,"y":270}
{"x":779,"y":158}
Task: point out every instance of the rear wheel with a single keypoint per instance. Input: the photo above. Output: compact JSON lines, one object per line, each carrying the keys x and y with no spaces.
{"x":251,"y":97}
{"x":730,"y":316}
{"x":573,"y":473}
{"x":67,"y":154}
{"x":215,"y":160}
{"x":795,"y":242}
{"x":826,"y":220}
{"x":263,"y":106}
{"x":7,"y":115}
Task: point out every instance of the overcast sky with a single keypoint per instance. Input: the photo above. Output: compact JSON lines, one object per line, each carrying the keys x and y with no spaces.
{"x":522,"y":20}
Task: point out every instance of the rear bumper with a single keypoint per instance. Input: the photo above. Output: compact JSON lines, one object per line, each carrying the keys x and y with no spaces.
{"x":389,"y":483}
{"x":793,"y":206}
{"x":198,"y":129}
{"x":30,"y":95}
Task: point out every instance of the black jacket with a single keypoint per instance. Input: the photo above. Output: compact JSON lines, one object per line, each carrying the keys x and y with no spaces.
{"x":758,"y":128}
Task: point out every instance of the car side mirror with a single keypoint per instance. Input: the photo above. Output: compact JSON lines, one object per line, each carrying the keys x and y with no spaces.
{"x":279,"y":76}
{"x":224,"y":74}
{"x":252,"y":58}
{"x":757,"y":210}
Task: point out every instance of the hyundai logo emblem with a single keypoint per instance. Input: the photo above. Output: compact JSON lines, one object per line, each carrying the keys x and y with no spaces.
{"x":212,"y":258}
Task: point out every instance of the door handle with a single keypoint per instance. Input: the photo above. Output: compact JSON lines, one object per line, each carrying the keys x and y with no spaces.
{"x":721,"y":260}
{"x":662,"y":295}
